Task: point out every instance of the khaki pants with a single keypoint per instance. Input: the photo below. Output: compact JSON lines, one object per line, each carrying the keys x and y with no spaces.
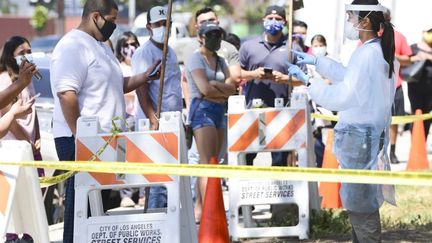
{"x":366,"y":227}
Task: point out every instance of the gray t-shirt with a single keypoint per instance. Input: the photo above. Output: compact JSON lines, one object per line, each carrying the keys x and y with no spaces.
{"x":196,"y":61}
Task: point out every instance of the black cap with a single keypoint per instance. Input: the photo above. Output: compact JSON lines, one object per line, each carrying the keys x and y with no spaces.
{"x":209,"y":26}
{"x":274,"y":9}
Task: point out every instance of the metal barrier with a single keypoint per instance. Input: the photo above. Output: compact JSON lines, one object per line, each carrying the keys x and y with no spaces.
{"x":174,"y":224}
{"x":21,"y":206}
{"x":269,"y":130}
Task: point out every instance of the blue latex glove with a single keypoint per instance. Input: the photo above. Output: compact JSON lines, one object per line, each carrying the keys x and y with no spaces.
{"x":303,"y":58}
{"x":295,"y":71}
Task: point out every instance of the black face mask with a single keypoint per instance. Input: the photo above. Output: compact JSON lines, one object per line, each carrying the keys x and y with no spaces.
{"x":107,"y":28}
{"x":212,"y":43}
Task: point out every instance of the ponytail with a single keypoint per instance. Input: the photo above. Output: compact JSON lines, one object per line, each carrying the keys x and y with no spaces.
{"x":388,"y":45}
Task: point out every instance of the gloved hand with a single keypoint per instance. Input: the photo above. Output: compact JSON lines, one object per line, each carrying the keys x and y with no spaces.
{"x":295,"y":71}
{"x":303,"y":58}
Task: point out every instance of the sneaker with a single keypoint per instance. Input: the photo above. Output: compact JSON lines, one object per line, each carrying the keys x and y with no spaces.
{"x":141,"y":201}
{"x":394,"y":159}
{"x":26,"y":239}
{"x":127,"y":202}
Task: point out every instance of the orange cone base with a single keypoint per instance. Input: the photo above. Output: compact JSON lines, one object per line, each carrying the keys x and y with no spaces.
{"x":418,"y":156}
{"x":329,"y":191}
{"x":330,"y":195}
{"x":213,"y":227}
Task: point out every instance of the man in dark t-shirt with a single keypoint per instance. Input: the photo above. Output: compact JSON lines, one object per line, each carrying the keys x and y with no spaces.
{"x":263,"y":62}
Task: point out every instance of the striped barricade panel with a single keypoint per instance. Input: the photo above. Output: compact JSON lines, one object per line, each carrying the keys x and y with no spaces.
{"x":156,"y":147}
{"x":5,"y":189}
{"x":267,"y":130}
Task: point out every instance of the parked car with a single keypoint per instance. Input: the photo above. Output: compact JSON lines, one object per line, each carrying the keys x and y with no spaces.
{"x":44,"y":44}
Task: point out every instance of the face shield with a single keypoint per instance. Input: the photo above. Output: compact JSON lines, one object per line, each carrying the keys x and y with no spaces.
{"x":353,"y":19}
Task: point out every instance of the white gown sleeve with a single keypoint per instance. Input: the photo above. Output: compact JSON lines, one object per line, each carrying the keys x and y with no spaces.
{"x":330,"y":69}
{"x":346,"y":93}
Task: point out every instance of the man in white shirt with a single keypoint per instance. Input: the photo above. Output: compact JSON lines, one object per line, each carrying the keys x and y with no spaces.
{"x":86,"y":80}
{"x":147,"y":95}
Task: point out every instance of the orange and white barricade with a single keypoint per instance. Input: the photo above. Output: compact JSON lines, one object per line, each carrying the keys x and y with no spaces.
{"x":174,"y":224}
{"x":21,"y":205}
{"x":269,"y":130}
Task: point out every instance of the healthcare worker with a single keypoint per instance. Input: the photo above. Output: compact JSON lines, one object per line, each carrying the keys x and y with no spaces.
{"x":363,"y":94}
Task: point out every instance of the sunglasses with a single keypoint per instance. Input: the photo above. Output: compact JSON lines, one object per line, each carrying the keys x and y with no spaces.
{"x":134,"y":44}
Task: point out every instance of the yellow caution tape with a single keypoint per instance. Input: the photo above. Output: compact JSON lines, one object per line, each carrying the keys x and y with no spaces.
{"x":395,"y":119}
{"x":241,"y":172}
{"x":50,"y":181}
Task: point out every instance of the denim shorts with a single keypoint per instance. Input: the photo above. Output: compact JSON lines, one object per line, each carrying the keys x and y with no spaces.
{"x":204,"y":113}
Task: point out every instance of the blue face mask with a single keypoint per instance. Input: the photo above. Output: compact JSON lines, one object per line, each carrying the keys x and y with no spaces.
{"x":273,"y":27}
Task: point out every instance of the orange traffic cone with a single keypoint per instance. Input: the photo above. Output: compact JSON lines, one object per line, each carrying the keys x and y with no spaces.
{"x":329,"y":191}
{"x":213,"y":227}
{"x":418,"y":156}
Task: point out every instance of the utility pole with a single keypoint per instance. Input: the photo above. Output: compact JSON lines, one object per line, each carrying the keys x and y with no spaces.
{"x":60,"y":23}
{"x":132,"y":12}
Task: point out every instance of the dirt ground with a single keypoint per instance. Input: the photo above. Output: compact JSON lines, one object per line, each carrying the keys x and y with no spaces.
{"x":397,"y":236}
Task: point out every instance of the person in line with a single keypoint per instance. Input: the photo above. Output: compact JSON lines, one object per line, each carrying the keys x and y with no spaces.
{"x":86,"y":80}
{"x":263,"y":67}
{"x":402,"y":53}
{"x":234,"y":40}
{"x":148,"y":94}
{"x":420,"y":93}
{"x":318,"y":48}
{"x":126,"y":46}
{"x":17,"y":110}
{"x":227,"y":50}
{"x":26,"y":127}
{"x":25,"y":73}
{"x":210,"y":86}
{"x":231,"y":56}
{"x":300,"y":29}
{"x":363,"y":93}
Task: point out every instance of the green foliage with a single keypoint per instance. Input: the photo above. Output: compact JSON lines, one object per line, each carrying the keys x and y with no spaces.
{"x":40,"y":18}
{"x":254,"y":13}
{"x":6,"y":7}
{"x":329,"y":223}
{"x":221,"y":7}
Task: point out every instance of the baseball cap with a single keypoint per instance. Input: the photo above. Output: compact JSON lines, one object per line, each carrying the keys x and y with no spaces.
{"x":157,"y":14}
{"x":274,"y":9}
{"x":209,"y":26}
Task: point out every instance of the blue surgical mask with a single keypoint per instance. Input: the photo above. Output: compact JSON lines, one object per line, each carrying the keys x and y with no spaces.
{"x":272,"y":26}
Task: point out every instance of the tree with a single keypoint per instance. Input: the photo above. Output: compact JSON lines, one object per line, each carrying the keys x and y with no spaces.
{"x":40,"y":18}
{"x":7,"y":7}
{"x":222,"y":7}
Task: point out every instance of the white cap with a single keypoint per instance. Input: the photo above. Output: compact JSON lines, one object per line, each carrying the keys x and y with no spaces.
{"x":157,"y":14}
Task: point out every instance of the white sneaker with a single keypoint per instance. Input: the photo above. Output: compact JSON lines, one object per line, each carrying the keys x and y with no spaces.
{"x":127,"y":202}
{"x":141,"y":201}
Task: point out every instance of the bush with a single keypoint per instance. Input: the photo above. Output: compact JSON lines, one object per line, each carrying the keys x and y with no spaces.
{"x":40,"y":18}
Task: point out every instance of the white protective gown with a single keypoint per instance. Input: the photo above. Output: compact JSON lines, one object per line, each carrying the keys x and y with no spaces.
{"x":363,"y":95}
